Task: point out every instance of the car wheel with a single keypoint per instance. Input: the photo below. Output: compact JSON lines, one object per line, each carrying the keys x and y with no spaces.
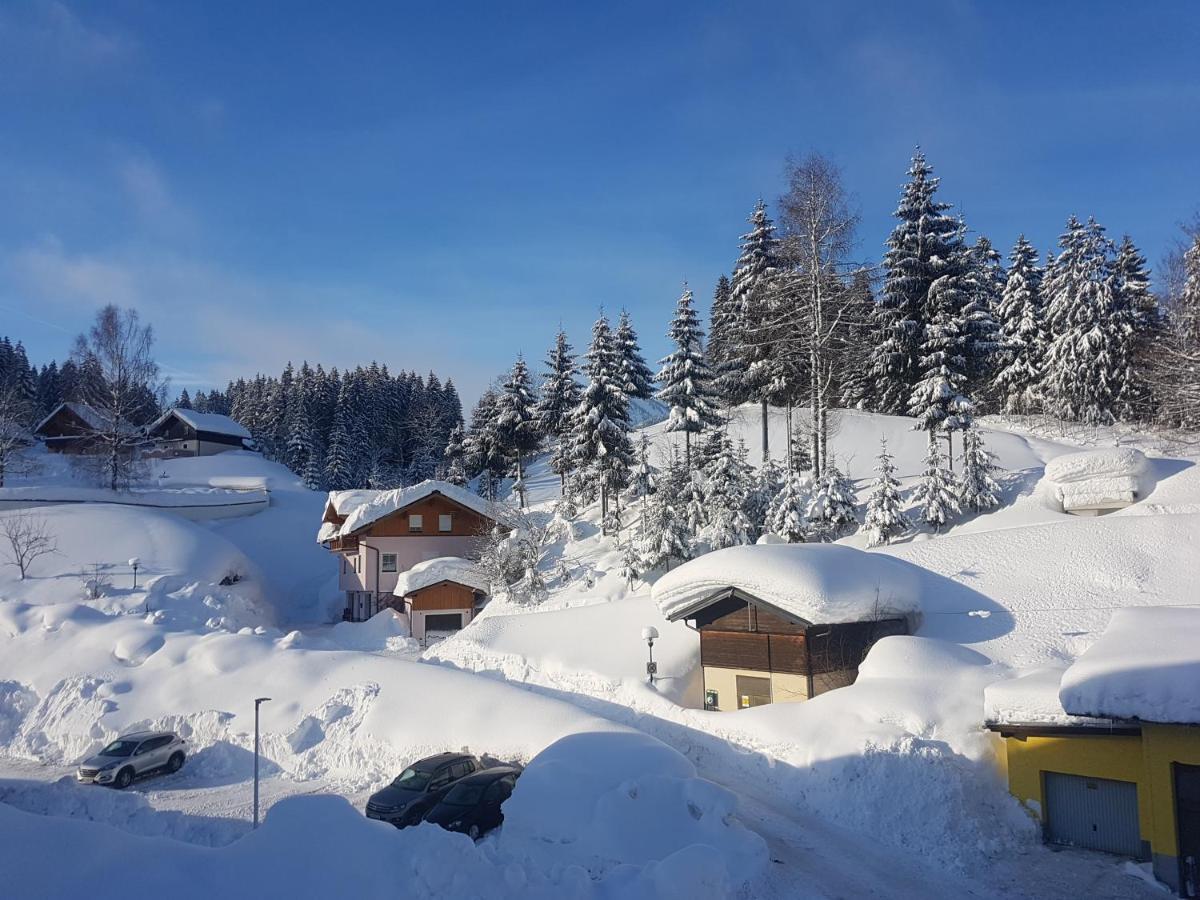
{"x":175,"y":763}
{"x":473,"y":832}
{"x":124,"y":779}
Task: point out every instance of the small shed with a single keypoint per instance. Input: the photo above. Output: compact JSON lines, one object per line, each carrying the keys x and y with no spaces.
{"x":1105,"y":753}
{"x":787,"y":622}
{"x":1097,"y":482}
{"x":441,"y":594}
{"x":185,"y":432}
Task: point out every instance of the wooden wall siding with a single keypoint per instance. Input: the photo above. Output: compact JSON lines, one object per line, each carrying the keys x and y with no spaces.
{"x":735,"y":650}
{"x":772,"y":623}
{"x":733,"y":614}
{"x":788,"y":653}
{"x":466,"y":522}
{"x":446,"y":595}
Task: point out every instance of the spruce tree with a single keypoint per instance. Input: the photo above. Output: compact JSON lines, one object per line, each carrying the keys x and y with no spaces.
{"x":1139,"y":305}
{"x":831,"y":510}
{"x":601,"y":439}
{"x":727,"y":487}
{"x":885,"y":517}
{"x":644,"y":481}
{"x":917,"y":250}
{"x":978,"y":490}
{"x":785,"y":518}
{"x":724,"y":344}
{"x":631,"y":564}
{"x":516,"y":423}
{"x":454,"y":455}
{"x":1023,"y":340}
{"x":557,"y":401}
{"x":666,"y":539}
{"x":751,"y":296}
{"x":936,"y":496}
{"x":184,"y":401}
{"x":981,"y":328}
{"x":637,"y":381}
{"x":1088,"y":362}
{"x":685,"y":377}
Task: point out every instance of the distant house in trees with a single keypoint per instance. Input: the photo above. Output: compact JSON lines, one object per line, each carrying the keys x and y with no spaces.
{"x":70,"y":428}
{"x":785,"y":622}
{"x":409,"y":550}
{"x":185,"y":432}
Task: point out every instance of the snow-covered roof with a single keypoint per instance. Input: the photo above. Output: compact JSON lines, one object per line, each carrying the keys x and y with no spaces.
{"x":435,"y":571}
{"x":345,"y":502}
{"x":1098,"y":479}
{"x":388,"y":502}
{"x":213,"y":422}
{"x":1146,"y":665}
{"x":1030,"y":699}
{"x":91,"y":417}
{"x":818,"y":583}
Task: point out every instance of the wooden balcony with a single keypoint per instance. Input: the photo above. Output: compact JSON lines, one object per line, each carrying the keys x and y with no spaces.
{"x":346,"y":544}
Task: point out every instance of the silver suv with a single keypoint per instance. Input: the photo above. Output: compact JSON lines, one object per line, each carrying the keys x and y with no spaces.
{"x":132,"y":756}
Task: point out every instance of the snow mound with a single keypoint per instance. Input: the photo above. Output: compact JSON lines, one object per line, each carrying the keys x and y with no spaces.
{"x":599,"y":800}
{"x":386,"y":630}
{"x":443,"y":568}
{"x":819,"y":583}
{"x":1031,"y":697}
{"x":1098,"y":478}
{"x":1146,"y":665}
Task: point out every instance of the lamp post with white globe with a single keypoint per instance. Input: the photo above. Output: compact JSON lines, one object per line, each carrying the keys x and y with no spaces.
{"x":650,"y":635}
{"x":134,"y":564}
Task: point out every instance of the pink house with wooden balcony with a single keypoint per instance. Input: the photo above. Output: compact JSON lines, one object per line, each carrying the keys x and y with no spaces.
{"x":382,"y":538}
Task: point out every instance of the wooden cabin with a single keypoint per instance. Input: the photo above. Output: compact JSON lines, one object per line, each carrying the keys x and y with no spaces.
{"x":70,"y":428}
{"x":753,"y":653}
{"x":185,"y":432}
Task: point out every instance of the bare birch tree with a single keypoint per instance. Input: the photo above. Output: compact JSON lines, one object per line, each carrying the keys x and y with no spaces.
{"x":16,"y":425}
{"x":28,"y":538}
{"x":124,"y":391}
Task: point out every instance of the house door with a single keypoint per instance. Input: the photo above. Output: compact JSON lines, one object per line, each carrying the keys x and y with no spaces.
{"x":1187,"y":820}
{"x":1093,"y":813}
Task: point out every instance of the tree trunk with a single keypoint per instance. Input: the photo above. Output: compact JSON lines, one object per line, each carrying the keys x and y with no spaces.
{"x":765,"y":440}
{"x":687,"y":449}
{"x":788,"y":425}
{"x":950,"y":450}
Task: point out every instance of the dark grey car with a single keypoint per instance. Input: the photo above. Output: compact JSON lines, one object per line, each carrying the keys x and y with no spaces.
{"x":132,"y":756}
{"x":419,"y":787}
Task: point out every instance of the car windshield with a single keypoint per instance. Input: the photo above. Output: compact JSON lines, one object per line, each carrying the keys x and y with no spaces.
{"x":120,"y":748}
{"x":467,"y":794}
{"x":412,"y":780}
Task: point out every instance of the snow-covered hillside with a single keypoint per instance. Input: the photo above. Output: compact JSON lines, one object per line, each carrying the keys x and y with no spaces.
{"x":888,"y":787}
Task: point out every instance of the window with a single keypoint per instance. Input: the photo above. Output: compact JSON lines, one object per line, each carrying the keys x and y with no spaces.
{"x":388,"y":562}
{"x":445,"y":522}
{"x":753,"y":691}
{"x":416,"y":522}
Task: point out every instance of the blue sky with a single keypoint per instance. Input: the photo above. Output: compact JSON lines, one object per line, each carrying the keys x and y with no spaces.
{"x":439,"y":185}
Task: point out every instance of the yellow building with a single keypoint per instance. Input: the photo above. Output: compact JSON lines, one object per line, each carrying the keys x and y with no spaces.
{"x":1087,"y":757}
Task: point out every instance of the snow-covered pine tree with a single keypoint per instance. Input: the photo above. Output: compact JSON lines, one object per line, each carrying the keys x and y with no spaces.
{"x":601,"y":438}
{"x":516,"y":423}
{"x":453,"y":455}
{"x":938,"y":402}
{"x":885,"y":517}
{"x":644,"y":480}
{"x":831,"y":511}
{"x":978,"y":490}
{"x":936,"y":494}
{"x":914,"y":259}
{"x":484,"y":451}
{"x":1023,"y":340}
{"x":631,"y":563}
{"x":724,"y":344}
{"x":981,"y":328}
{"x":184,"y":401}
{"x":695,"y":506}
{"x":765,"y":486}
{"x":666,"y":540}
{"x":785,"y":518}
{"x":685,"y":377}
{"x":340,"y":468}
{"x":637,"y":381}
{"x":1088,"y":361}
{"x":751,"y":299}
{"x":557,"y":402}
{"x":727,"y":486}
{"x":1134,"y":297}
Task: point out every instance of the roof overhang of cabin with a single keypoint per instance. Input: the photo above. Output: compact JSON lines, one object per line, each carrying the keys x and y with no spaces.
{"x":732,"y":593}
{"x":1023,"y":730}
{"x":424,"y":588}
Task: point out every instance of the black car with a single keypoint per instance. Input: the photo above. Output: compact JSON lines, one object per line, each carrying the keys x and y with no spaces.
{"x":419,"y":787}
{"x":472,"y":806}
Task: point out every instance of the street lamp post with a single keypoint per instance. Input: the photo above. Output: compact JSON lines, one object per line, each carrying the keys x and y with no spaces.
{"x":258,"y":701}
{"x":650,"y":635}
{"x":133,"y":564}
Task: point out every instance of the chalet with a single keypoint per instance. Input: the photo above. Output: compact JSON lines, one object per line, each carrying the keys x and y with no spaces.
{"x":185,"y":432}
{"x":1105,"y":753}
{"x":382,"y":538}
{"x":781,"y":623}
{"x":70,"y":428}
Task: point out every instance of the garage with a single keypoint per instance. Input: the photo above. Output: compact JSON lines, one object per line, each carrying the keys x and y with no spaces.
{"x":443,"y":622}
{"x":1093,"y":813}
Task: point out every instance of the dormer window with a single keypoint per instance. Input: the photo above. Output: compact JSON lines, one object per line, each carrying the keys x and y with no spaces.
{"x":416,"y":522}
